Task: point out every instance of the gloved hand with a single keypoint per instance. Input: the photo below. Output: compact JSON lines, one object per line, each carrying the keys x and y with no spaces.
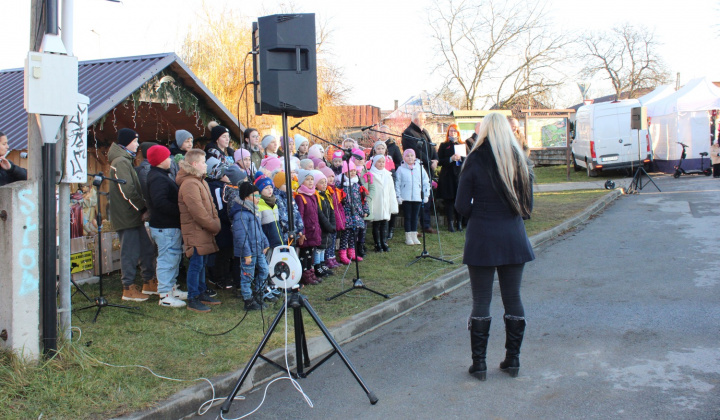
{"x":425,"y":200}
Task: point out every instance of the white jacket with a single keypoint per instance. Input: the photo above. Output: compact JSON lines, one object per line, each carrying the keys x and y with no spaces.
{"x":383,"y":201}
{"x":407,"y":183}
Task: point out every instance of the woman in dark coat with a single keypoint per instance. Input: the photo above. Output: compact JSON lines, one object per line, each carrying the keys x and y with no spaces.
{"x":450,"y":164}
{"x":9,"y":172}
{"x":495,"y":194}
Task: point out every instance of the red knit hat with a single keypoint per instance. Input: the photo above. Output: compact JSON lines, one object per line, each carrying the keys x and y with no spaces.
{"x":157,"y":155}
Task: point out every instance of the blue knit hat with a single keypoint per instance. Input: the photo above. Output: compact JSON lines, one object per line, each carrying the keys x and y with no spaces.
{"x":262,"y":181}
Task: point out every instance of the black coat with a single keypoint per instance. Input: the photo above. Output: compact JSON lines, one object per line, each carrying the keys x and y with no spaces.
{"x":422,"y":148}
{"x":15,"y":173}
{"x":162,"y":199}
{"x":217,"y":189}
{"x":212,"y":150}
{"x":449,"y":172}
{"x":394,"y":152}
{"x":326,"y":217}
{"x":495,"y":234}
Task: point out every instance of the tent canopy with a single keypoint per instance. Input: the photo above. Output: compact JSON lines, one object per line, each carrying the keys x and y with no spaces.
{"x":659,"y":93}
{"x":698,"y":95}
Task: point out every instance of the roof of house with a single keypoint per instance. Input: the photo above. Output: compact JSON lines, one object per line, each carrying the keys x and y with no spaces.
{"x":422,"y":102}
{"x":108,"y":82}
{"x":609,"y":98}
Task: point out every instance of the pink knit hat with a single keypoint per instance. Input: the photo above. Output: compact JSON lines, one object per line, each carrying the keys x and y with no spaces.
{"x":327,"y":172}
{"x":345,"y":167}
{"x":240,"y":154}
{"x":408,"y":152}
{"x":272,"y":164}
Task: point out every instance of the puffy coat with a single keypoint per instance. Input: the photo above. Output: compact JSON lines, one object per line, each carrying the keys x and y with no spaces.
{"x":162,"y":199}
{"x":269,"y":221}
{"x":383,"y":201}
{"x":199,"y":220}
{"x":217,"y":190}
{"x":248,"y":237}
{"x":308,"y":207}
{"x":356,"y":194}
{"x":212,"y":150}
{"x":326,"y":217}
{"x":337,"y":195}
{"x":281,"y":203}
{"x":495,"y":235}
{"x":15,"y":173}
{"x":142,"y":171}
{"x":407,"y":183}
{"x":126,"y":200}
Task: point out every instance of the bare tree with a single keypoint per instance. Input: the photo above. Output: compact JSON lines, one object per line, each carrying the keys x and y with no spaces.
{"x":492,"y":48}
{"x":626,"y":55}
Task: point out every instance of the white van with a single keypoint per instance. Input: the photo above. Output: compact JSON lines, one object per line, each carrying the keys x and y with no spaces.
{"x":604,"y":140}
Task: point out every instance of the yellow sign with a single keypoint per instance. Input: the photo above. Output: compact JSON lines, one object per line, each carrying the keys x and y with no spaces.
{"x":81,"y":261}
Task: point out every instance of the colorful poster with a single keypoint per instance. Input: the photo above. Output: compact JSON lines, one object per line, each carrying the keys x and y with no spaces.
{"x":547,"y":132}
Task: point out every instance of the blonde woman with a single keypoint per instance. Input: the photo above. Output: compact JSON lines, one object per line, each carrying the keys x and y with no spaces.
{"x":495,"y":195}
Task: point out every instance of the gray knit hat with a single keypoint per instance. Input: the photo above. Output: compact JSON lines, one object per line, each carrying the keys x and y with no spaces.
{"x":266,"y":141}
{"x":181,"y":136}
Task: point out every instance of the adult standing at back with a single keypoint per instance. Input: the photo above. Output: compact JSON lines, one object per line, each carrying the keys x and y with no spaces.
{"x":219,"y":146}
{"x":495,"y":194}
{"x":9,"y":172}
{"x":450,"y":164}
{"x":128,"y":213}
{"x":416,"y":137}
{"x":251,"y":137}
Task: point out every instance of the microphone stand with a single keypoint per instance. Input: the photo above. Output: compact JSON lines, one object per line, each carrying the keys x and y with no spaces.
{"x":99,"y":302}
{"x":424,"y":253}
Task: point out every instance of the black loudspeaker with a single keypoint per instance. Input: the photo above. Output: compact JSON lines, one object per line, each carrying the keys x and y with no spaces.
{"x":638,"y":118}
{"x":285,"y":65}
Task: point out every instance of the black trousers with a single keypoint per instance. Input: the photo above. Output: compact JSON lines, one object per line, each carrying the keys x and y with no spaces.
{"x":481,"y":282}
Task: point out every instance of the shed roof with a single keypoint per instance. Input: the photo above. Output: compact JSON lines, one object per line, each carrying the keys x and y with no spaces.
{"x":107,"y":82}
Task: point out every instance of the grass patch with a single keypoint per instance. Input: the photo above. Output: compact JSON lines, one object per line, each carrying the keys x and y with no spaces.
{"x":558,"y":173}
{"x":76,"y":385}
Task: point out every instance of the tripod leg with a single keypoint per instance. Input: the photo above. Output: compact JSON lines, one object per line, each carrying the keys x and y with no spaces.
{"x":226,"y":405}
{"x":336,"y":346}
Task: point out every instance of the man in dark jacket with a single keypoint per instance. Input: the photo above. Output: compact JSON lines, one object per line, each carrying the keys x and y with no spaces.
{"x":128,"y":212}
{"x":416,"y":137}
{"x":162,"y":200}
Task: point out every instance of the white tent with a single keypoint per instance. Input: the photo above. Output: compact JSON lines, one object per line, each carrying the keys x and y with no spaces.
{"x":660,"y":92}
{"x":682,"y":117}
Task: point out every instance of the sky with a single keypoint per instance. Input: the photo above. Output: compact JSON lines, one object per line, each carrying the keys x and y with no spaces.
{"x":383,"y":46}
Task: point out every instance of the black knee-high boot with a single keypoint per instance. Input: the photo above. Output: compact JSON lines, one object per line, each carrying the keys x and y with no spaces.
{"x":514,"y":332}
{"x":383,"y":236}
{"x":479,"y":333}
{"x":391,"y":227}
{"x":450,"y":214}
{"x":376,"y":236}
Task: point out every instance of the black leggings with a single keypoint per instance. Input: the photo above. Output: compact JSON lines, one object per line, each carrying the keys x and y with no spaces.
{"x":481,"y":282}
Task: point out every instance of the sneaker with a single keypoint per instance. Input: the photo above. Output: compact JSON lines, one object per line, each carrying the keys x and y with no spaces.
{"x":208,"y":300}
{"x":259,"y":300}
{"x":194,"y":304}
{"x":170,"y":301}
{"x":211,"y":292}
{"x":251,"y":305}
{"x":150,"y":288}
{"x":132,"y":293}
{"x":179,"y":294}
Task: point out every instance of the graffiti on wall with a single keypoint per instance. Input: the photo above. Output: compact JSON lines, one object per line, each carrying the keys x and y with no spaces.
{"x":28,"y":255}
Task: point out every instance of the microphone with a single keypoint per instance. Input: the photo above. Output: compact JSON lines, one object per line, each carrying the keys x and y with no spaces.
{"x":99,"y":178}
{"x":368,"y":127}
{"x":298,"y":124}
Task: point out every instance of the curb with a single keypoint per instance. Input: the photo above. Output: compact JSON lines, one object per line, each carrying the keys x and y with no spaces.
{"x":186,"y":402}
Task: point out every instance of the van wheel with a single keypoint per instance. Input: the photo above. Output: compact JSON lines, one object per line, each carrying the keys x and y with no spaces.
{"x":576,"y":167}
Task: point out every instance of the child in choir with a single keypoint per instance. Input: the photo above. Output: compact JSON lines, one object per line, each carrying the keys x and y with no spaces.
{"x":335,"y":198}
{"x":326,"y":217}
{"x":383,"y":201}
{"x":336,"y":163}
{"x":410,"y":180}
{"x":280,"y":191}
{"x":356,"y":209}
{"x":307,"y":202}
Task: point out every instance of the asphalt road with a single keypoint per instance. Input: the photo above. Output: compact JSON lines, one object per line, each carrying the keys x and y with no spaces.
{"x":623,"y":322}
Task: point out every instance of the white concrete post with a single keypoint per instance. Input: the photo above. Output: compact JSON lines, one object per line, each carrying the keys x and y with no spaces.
{"x":20,"y":269}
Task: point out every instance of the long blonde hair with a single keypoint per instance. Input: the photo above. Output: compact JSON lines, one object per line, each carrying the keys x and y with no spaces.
{"x":510,"y":160}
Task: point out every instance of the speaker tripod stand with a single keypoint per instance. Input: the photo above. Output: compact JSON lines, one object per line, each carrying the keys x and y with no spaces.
{"x":296,"y":302}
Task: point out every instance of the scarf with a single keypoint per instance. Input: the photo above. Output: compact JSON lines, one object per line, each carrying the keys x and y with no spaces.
{"x":270,"y":201}
{"x":250,"y":205}
{"x":133,"y":154}
{"x":347,"y":180}
{"x":305,"y":190}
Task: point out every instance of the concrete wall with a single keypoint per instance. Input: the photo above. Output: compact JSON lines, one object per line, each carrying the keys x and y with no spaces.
{"x":20,"y":269}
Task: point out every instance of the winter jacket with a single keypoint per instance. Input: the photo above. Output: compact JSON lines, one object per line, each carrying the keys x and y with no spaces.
{"x":269,"y":221}
{"x":368,"y":181}
{"x":407,"y":183}
{"x":356,"y":194}
{"x":383,"y":202}
{"x":281,"y":203}
{"x":199,"y":220}
{"x":449,"y":171}
{"x":336,"y":196}
{"x":177,"y":155}
{"x":248,"y":237}
{"x":212,"y":150}
{"x":326,"y":217}
{"x":308,"y":207}
{"x":422,"y":148}
{"x":394,"y":153}
{"x":495,"y":234}
{"x":223,"y":239}
{"x":127,"y":204}
{"x":142,"y":172}
{"x":162,"y":199}
{"x":15,"y":173}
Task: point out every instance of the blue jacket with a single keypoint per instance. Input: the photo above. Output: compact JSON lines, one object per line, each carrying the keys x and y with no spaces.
{"x":283,"y":215}
{"x":407,"y":183}
{"x":248,"y":237}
